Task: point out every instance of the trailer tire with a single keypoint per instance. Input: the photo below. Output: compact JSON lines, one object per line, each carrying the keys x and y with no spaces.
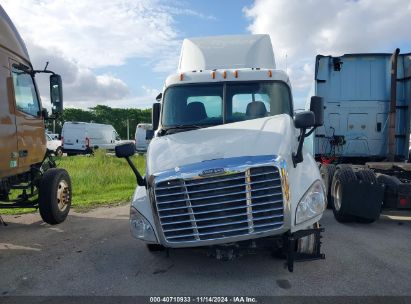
{"x":55,"y":196}
{"x":342,"y":176}
{"x":155,"y":247}
{"x":327,"y":173}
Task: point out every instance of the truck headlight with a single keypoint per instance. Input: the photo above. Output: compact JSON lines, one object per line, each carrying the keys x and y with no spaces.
{"x":312,"y":203}
{"x":140,"y":227}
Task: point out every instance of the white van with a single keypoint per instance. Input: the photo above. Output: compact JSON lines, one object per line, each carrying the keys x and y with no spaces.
{"x":83,"y":137}
{"x":143,"y":136}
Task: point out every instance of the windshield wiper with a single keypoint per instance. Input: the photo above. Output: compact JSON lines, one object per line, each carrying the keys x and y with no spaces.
{"x":177,"y":128}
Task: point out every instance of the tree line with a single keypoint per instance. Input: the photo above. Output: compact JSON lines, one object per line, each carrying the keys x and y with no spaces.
{"x":106,"y":115}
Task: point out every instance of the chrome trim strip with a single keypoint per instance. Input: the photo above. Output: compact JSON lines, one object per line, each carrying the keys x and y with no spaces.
{"x":219,"y":203}
{"x":218,"y":210}
{"x":220,"y":188}
{"x":223,"y":231}
{"x":226,"y":224}
{"x":223,"y":217}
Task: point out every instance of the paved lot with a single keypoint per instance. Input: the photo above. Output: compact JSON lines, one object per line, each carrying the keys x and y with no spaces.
{"x":94,"y":254}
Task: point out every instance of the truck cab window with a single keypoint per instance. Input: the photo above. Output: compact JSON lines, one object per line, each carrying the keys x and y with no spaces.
{"x":205,"y":104}
{"x":193,"y":105}
{"x":25,"y":92}
{"x":253,"y":100}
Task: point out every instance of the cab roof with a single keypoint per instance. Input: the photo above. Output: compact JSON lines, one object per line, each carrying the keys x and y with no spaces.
{"x":226,"y":52}
{"x":10,"y":38}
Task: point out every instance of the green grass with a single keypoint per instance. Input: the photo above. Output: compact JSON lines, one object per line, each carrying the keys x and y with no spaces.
{"x":97,"y":180}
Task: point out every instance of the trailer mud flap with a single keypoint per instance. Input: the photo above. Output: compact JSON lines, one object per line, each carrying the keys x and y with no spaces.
{"x":362,"y":199}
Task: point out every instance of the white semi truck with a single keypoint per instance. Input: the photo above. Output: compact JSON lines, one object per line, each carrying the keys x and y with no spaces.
{"x":226,"y":169}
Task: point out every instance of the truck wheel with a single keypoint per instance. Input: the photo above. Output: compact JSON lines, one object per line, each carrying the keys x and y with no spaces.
{"x":155,"y":247}
{"x":327,"y":173}
{"x":59,"y":152}
{"x":366,"y":175}
{"x":342,"y":176}
{"x":307,"y":245}
{"x":55,"y":196}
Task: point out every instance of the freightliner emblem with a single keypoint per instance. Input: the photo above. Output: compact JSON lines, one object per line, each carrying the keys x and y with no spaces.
{"x":214,"y":171}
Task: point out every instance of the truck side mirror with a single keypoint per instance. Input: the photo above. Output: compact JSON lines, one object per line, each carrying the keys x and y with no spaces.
{"x":317,"y":107}
{"x":304,"y":120}
{"x":126,"y":151}
{"x":56,"y":93}
{"x":155,"y":115}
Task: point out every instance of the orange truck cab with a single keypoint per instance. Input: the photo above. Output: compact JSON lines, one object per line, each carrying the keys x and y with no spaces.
{"x":25,"y":165}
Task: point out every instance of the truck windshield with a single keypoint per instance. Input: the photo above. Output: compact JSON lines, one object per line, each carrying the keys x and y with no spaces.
{"x":201,"y":105}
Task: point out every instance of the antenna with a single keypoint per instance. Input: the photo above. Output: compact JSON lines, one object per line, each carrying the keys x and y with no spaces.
{"x":47,"y":64}
{"x":286,"y":66}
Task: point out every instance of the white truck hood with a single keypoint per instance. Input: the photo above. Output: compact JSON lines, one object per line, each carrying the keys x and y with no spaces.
{"x":263,"y":136}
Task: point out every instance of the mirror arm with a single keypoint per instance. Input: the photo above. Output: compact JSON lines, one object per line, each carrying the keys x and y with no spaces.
{"x":140,"y":180}
{"x":310,"y":132}
{"x":298,"y":157}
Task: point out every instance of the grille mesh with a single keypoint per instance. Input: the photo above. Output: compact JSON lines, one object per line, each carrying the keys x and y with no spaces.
{"x":220,"y":207}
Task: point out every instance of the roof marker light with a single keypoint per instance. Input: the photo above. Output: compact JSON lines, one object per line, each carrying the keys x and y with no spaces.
{"x":181,"y":77}
{"x":224,"y":74}
{"x":213,"y":74}
{"x":270,"y":73}
{"x":236,"y":74}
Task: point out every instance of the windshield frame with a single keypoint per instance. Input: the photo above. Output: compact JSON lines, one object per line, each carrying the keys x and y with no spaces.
{"x":224,"y":110}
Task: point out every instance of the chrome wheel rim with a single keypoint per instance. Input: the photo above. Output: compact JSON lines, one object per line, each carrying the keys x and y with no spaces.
{"x":337,"y":195}
{"x":63,"y":195}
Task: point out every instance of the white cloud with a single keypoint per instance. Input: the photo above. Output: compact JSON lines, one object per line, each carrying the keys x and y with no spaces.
{"x":77,"y":37}
{"x":303,"y":29}
{"x":79,"y":84}
{"x":95,"y":34}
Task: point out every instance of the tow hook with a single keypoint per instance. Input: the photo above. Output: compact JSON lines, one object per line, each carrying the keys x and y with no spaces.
{"x":292,"y":252}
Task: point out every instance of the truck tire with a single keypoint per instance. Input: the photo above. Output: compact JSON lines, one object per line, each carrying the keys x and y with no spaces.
{"x":155,"y":247}
{"x":327,"y":174}
{"x":342,"y":176}
{"x":55,"y":196}
{"x":307,"y":244}
{"x":366,"y":175}
{"x":59,"y":152}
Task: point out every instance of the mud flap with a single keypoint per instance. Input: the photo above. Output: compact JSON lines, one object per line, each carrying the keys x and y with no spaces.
{"x":290,"y":242}
{"x":362,"y":199}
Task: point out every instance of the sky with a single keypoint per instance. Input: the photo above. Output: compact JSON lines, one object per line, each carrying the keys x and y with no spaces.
{"x":119,"y":52}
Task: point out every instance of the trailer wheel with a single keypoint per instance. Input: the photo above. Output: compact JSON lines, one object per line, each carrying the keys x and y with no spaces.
{"x":327,"y":174}
{"x":342,"y":176}
{"x":55,"y":196}
{"x":155,"y":247}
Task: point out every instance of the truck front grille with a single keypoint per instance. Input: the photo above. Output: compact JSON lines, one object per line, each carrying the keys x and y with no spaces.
{"x":226,"y":206}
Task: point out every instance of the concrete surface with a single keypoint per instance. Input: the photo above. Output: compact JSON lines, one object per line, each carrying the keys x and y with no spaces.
{"x":94,"y":254}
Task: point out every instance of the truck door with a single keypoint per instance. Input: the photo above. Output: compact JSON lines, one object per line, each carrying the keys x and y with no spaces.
{"x":8,"y":134}
{"x":31,"y":140}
